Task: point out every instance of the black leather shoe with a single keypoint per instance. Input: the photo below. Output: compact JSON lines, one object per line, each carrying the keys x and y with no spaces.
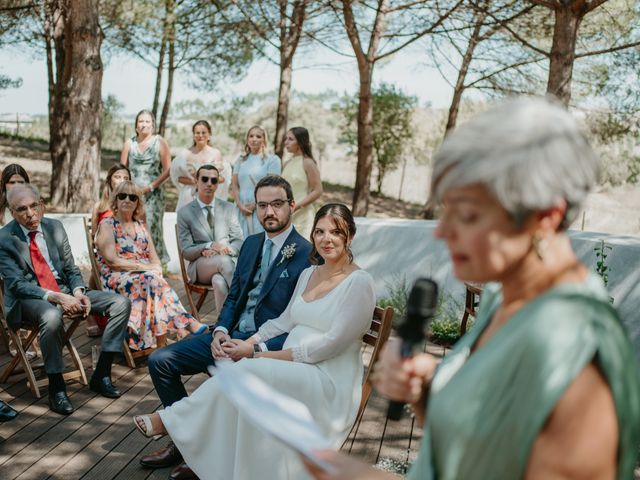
{"x":6,"y":412}
{"x":104,"y":387}
{"x":60,"y":403}
{"x":183,"y":472}
{"x":165,"y":457}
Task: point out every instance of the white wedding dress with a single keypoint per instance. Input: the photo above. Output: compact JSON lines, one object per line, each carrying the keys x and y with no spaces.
{"x":325,"y":336}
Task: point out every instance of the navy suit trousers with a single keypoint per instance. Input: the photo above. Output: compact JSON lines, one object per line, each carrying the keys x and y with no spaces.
{"x":186,"y":357}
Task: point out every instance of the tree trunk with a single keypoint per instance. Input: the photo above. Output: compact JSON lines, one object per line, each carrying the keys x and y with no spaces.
{"x":289,"y":38}
{"x":156,"y":93}
{"x":167,"y":98}
{"x":454,"y":108}
{"x":56,"y":12}
{"x":379,"y":180}
{"x":282,"y":115}
{"x":563,"y":51}
{"x":171,"y":38}
{"x":402,"y":174}
{"x":365,"y":143}
{"x":83,"y":71}
{"x":366,"y":62}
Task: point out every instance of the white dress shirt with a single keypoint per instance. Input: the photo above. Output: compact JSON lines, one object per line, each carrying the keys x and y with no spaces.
{"x":44,"y":250}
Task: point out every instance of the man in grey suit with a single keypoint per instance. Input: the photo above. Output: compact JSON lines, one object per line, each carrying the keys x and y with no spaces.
{"x":210,"y":235}
{"x":42,"y":283}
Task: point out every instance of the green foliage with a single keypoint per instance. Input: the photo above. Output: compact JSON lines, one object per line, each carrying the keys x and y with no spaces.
{"x":398,"y":292}
{"x":393,"y":127}
{"x":445,"y":331}
{"x":602,"y":268}
{"x":445,"y":328}
{"x":8,"y":82}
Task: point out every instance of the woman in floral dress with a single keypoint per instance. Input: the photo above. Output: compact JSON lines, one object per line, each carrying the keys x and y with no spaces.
{"x":130,"y":266}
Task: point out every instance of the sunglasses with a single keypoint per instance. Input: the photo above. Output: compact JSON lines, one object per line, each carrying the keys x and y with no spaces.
{"x":132,"y":196}
{"x":213,"y":180}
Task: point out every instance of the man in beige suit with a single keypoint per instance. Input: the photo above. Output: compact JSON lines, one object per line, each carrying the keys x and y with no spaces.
{"x":210,"y":235}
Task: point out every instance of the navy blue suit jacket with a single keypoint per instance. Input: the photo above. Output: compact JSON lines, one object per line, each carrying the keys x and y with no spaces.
{"x":276,"y":291}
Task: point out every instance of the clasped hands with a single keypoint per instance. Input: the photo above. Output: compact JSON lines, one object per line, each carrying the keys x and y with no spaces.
{"x":75,"y":304}
{"x":225,"y":347}
{"x":216,"y":249}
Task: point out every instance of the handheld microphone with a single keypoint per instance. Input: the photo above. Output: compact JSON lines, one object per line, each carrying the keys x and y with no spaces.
{"x":421,"y":308}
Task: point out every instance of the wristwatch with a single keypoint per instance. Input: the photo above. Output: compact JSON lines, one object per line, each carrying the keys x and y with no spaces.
{"x":256,"y":349}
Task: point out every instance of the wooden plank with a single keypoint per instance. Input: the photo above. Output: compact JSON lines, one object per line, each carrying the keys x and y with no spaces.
{"x":34,"y":441}
{"x":63,"y":441}
{"x":126,"y":444}
{"x":74,"y":456}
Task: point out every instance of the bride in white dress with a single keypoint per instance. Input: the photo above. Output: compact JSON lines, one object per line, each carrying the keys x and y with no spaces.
{"x":320,"y":365}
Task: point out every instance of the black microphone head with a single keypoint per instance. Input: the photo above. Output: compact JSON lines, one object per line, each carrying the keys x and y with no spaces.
{"x":421,"y":308}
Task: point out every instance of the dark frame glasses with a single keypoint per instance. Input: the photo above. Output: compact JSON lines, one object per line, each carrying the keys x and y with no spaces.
{"x":132,"y":196}
{"x":213,"y":180}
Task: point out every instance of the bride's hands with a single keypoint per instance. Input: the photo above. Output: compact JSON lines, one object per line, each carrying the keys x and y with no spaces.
{"x":237,"y":349}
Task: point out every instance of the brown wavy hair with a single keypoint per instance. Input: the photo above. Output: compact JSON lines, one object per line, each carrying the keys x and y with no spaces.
{"x":346,"y":225}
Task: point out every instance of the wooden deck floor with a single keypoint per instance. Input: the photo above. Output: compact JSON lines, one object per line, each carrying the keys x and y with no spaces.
{"x":99,"y":442}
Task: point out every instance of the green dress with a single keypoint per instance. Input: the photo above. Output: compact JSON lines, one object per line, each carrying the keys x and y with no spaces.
{"x":486,"y":409}
{"x":146,"y":167}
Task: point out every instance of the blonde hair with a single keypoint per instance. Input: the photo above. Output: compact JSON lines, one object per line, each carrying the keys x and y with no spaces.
{"x":265,"y":142}
{"x":130,"y":187}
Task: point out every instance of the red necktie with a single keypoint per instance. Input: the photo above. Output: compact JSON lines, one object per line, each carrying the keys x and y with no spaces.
{"x":41,"y":267}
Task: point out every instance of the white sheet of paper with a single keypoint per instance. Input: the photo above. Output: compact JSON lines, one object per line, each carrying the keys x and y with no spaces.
{"x":283,"y":417}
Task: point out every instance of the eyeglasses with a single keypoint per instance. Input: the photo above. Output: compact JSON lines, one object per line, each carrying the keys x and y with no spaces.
{"x":132,"y":196}
{"x":213,"y":180}
{"x":275,"y":204}
{"x":22,"y":210}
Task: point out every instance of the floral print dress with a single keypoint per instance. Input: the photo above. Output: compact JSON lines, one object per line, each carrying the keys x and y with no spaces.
{"x":155,"y":306}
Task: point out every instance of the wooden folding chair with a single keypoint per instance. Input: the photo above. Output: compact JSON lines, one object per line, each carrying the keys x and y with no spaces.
{"x":200,"y":289}
{"x":473,"y":291}
{"x":20,"y":363}
{"x":376,"y":337}
{"x":129,"y":356}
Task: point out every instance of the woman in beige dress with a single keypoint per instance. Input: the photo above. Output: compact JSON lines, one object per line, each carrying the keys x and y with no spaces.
{"x":302,"y":173}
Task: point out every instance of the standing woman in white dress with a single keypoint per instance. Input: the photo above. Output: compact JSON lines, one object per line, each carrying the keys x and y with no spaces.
{"x":187,"y":162}
{"x":320,"y":365}
{"x":248,"y":170}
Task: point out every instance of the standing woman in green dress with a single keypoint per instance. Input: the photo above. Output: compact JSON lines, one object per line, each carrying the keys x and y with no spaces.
{"x":546,"y":384}
{"x":149,"y":159}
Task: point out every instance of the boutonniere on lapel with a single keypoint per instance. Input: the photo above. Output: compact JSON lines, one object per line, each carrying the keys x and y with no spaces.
{"x":287,"y":252}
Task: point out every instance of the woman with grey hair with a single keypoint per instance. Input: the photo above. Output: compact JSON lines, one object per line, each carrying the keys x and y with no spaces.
{"x":546,"y":384}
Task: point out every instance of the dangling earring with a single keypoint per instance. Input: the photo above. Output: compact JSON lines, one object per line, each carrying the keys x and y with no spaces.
{"x":539,"y":244}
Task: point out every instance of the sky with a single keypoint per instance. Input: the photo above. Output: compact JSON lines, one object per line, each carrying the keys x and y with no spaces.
{"x":132,"y":81}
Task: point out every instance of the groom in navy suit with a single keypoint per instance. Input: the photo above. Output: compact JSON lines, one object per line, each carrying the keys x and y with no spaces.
{"x":266,"y":274}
